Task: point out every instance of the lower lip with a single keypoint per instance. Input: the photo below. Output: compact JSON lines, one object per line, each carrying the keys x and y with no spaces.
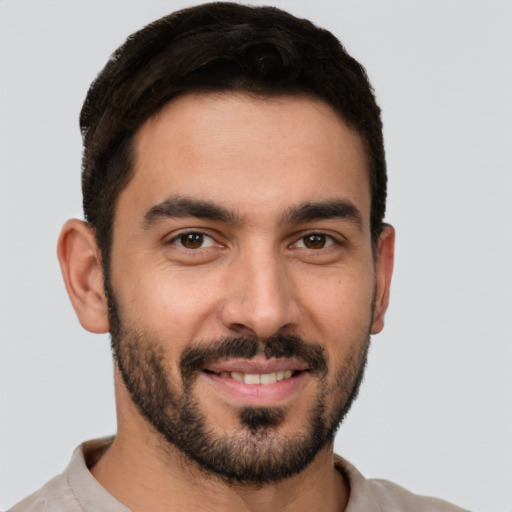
{"x":258,"y":394}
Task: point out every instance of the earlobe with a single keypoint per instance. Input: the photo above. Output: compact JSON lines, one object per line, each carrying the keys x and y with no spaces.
{"x":80,"y":263}
{"x":383,"y":272}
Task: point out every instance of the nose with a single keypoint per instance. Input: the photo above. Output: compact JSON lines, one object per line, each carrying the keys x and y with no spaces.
{"x":260,"y":299}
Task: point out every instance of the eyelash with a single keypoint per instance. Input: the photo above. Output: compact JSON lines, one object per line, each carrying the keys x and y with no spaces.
{"x":177,"y":240}
{"x":328,"y":240}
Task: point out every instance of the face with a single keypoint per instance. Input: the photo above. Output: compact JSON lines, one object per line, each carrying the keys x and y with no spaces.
{"x":243,"y":283}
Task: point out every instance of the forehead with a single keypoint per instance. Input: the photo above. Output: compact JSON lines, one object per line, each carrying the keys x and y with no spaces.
{"x":247,"y":153}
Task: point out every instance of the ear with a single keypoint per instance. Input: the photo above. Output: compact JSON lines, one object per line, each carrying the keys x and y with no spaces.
{"x":383,"y":272}
{"x":80,"y":263}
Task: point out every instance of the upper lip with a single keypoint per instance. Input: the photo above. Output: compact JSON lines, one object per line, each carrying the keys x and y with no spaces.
{"x":258,"y":365}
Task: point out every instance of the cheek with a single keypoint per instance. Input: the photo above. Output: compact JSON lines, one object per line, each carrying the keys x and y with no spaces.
{"x":173,"y":306}
{"x":339,"y":309}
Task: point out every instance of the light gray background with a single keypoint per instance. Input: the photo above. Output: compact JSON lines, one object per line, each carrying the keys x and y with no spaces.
{"x":434,"y":413}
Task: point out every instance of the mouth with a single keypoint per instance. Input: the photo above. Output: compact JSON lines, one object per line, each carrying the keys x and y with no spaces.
{"x":257,"y":381}
{"x":252,"y":379}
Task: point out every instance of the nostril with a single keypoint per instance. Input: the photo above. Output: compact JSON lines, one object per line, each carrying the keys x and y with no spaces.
{"x":242,"y":329}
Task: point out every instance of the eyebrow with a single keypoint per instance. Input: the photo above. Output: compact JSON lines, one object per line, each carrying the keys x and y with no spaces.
{"x":322,"y":210}
{"x":179,"y":206}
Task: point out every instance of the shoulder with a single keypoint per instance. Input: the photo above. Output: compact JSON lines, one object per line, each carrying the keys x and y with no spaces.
{"x":75,"y":489}
{"x":397,"y":498}
{"x":55,"y":496}
{"x":383,"y":496}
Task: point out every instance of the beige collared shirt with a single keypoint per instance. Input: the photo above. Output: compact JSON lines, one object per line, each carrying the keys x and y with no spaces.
{"x":76,"y":490}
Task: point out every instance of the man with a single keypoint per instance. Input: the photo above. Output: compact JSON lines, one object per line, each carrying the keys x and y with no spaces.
{"x":234,"y":189}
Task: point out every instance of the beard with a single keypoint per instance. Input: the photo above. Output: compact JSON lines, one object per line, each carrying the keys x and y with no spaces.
{"x":255,"y":452}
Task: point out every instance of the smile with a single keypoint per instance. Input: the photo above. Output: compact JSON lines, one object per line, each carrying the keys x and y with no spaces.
{"x":263,"y":388}
{"x":258,"y":378}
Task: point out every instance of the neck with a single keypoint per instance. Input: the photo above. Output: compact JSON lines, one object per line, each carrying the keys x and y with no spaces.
{"x":144,"y":472}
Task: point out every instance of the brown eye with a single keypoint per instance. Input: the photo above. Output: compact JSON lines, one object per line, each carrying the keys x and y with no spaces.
{"x":191,"y":240}
{"x":194,"y":240}
{"x":315,"y":241}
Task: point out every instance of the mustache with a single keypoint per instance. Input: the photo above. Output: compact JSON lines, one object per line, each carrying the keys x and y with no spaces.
{"x":195,"y":358}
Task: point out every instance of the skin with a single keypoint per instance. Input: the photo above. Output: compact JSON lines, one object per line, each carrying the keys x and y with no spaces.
{"x":253,"y":275}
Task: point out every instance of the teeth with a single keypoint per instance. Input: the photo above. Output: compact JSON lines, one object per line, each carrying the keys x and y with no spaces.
{"x":259,"y":378}
{"x":237,"y":376}
{"x":268,"y":378}
{"x":252,"y":378}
